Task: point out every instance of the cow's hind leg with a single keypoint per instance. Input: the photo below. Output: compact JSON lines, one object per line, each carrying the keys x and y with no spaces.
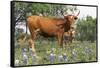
{"x":31,"y":45}
{"x":32,"y":39}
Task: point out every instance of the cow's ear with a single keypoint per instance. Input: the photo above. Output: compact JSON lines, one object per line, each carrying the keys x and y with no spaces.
{"x":66,"y":17}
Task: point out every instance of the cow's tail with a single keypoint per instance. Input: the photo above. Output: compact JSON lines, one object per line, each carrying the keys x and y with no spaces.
{"x":26,"y":25}
{"x":26,"y":32}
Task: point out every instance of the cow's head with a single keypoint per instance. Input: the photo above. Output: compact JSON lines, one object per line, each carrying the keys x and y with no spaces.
{"x":70,"y":20}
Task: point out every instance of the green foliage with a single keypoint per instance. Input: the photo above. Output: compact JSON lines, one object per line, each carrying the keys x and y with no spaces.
{"x":18,"y":32}
{"x":86,"y":29}
{"x":22,"y":10}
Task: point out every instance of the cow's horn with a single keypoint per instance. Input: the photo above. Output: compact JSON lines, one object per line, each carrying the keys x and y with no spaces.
{"x":78,"y":13}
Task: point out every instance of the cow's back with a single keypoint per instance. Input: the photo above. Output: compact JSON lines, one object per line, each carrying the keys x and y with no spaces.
{"x":33,"y":21}
{"x":46,"y":25}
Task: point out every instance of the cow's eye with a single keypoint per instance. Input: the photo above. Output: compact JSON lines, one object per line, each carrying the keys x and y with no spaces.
{"x":75,"y":18}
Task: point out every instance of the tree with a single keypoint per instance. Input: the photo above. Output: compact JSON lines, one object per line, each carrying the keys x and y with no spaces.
{"x":86,"y":29}
{"x":22,"y":10}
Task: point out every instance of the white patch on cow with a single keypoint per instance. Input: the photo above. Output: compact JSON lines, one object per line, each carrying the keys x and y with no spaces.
{"x":71,"y":17}
{"x":73,"y":32}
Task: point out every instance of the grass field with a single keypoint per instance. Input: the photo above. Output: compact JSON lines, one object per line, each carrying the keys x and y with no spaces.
{"x":50,"y":53}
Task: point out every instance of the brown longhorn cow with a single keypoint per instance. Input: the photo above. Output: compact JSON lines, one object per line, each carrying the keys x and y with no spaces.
{"x":50,"y":26}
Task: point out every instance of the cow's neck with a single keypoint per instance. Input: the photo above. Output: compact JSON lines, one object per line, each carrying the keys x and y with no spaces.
{"x":66,"y":26}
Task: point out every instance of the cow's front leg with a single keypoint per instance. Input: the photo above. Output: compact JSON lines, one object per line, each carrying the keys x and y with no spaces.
{"x":60,"y":39}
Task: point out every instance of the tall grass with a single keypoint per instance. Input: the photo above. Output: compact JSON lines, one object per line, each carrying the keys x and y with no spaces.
{"x":48,"y":52}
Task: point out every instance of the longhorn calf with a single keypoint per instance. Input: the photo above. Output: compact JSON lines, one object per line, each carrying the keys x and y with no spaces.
{"x":68,"y":36}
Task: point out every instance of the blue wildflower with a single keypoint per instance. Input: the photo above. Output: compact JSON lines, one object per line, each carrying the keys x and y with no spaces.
{"x":52,"y":58}
{"x":65,"y":57}
{"x":24,"y":59}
